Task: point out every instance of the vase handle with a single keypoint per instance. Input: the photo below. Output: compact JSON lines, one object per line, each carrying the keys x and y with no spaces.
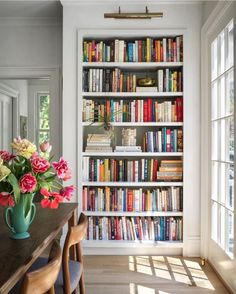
{"x":6,"y":218}
{"x":33,"y":211}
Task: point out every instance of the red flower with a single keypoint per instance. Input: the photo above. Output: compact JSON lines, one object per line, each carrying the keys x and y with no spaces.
{"x":66,"y":192}
{"x":39,"y":164}
{"x":28,"y":183}
{"x":6,"y":156}
{"x":6,"y":199}
{"x":51,"y":199}
{"x":62,"y":169}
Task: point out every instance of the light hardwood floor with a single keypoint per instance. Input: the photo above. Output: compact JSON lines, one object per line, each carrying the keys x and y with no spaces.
{"x":149,"y":275}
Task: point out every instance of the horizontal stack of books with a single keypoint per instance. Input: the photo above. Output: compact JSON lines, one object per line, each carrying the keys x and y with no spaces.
{"x":135,"y":228}
{"x":98,"y":143}
{"x":132,"y":200}
{"x":170,"y":170}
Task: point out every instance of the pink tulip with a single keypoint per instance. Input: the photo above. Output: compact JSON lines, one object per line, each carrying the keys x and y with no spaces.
{"x":39,"y":164}
{"x":6,"y":199}
{"x":67,"y":192}
{"x":62,"y":169}
{"x":51,"y":199}
{"x":45,"y":147}
{"x":28,"y":183}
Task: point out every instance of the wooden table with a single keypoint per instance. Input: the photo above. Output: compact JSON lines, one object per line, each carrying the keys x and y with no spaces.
{"x":16,"y":256}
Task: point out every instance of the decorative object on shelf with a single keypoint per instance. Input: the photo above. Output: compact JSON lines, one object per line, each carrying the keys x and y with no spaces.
{"x":129,"y":137}
{"x":146,"y":82}
{"x":24,"y":174}
{"x":134,"y":15}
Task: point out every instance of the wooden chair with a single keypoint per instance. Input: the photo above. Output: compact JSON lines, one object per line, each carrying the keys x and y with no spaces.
{"x":71,"y":274}
{"x":43,"y":279}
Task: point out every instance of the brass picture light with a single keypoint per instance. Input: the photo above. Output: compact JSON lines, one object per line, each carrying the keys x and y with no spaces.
{"x":133,"y":15}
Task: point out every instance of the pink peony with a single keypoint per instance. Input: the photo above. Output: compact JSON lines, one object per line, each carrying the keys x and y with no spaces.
{"x":62,"y":169}
{"x":5,"y":155}
{"x":39,"y":164}
{"x":45,"y":147}
{"x":67,"y":192}
{"x":28,"y":183}
{"x":6,"y":199}
{"x":51,"y":199}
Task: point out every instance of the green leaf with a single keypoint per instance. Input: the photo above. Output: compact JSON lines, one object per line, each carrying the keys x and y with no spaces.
{"x":13,"y":181}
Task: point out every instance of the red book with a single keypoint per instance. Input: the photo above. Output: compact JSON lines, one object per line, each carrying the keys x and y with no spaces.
{"x":130,"y":200}
{"x":179,"y":109}
{"x":139,"y":51}
{"x":155,"y":168}
{"x":145,"y":111}
{"x":149,"y":101}
{"x":140,"y":233}
{"x":117,"y":229}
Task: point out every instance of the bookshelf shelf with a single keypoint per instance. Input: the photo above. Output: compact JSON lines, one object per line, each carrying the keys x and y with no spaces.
{"x":133,"y":184}
{"x":133,"y":154}
{"x":109,"y":180}
{"x":136,"y":124}
{"x":132,"y":65}
{"x":124,"y":244}
{"x":124,"y":213}
{"x":132,"y":94}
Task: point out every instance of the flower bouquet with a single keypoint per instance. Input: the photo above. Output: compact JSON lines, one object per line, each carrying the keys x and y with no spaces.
{"x":26,"y":173}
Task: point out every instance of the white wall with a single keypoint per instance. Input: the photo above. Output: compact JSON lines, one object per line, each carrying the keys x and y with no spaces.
{"x":20,"y":86}
{"x":187,"y":17}
{"x":207,"y":8}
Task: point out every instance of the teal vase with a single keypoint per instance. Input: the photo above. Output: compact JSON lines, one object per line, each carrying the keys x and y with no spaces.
{"x":19,"y":217}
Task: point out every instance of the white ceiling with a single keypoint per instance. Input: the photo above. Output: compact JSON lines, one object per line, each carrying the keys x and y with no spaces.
{"x":33,"y":8}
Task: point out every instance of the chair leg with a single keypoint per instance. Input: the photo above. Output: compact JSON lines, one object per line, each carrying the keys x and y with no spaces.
{"x":51,"y":291}
{"x":81,"y":284}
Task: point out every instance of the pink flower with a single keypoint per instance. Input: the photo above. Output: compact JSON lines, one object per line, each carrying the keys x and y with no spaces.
{"x":28,"y":183}
{"x":6,"y":199}
{"x":67,"y":192}
{"x":63,"y":171}
{"x":5,"y":155}
{"x":51,"y":199}
{"x":39,"y":164}
{"x":45,"y":147}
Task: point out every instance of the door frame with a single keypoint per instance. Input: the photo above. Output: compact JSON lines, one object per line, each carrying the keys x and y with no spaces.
{"x":54,"y":76}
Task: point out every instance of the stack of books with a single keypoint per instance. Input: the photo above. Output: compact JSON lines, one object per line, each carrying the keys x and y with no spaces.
{"x":128,"y":149}
{"x":98,"y":143}
{"x":170,"y":170}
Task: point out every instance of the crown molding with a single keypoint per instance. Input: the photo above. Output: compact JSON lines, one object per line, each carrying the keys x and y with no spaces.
{"x":30,"y":21}
{"x":130,"y":2}
{"x":9,"y":91}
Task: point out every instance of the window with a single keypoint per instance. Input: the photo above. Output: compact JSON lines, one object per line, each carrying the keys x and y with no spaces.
{"x":43,"y":129}
{"x":222,"y":140}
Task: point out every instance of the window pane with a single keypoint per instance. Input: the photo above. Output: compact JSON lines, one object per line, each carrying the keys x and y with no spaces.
{"x":230,"y":186}
{"x":222,"y":96}
{"x":229,"y":142}
{"x":214,"y":221}
{"x":215,"y":138}
{"x":43,"y":136}
{"x":230,"y":93}
{"x":230,"y":45}
{"x":222,"y":140}
{"x":214,"y":101}
{"x":214,"y":180}
{"x":214,"y":60}
{"x":222,"y":226}
{"x":221,"y":41}
{"x":222,"y":182}
{"x":44,"y":103}
{"x":230,"y":232}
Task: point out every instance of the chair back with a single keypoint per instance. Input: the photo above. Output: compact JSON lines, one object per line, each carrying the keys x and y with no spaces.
{"x":43,"y":279}
{"x":74,"y":236}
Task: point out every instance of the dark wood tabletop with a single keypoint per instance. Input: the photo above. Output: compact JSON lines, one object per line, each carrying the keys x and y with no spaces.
{"x":16,"y":256}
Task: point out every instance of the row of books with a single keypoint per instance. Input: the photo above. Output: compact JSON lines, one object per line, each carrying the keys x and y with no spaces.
{"x":164,"y":140}
{"x":132,"y":200}
{"x":146,"y":50}
{"x":137,"y":110}
{"x":116,"y":80}
{"x":135,"y":228}
{"x":98,"y":142}
{"x":124,"y":170}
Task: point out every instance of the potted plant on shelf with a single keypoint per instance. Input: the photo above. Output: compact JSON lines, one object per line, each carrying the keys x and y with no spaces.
{"x":26,"y":173}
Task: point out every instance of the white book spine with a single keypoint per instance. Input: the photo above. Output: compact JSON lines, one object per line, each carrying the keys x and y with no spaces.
{"x":164,"y":49}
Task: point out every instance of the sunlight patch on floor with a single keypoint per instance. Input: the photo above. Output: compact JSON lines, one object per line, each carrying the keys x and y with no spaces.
{"x":162,"y":274}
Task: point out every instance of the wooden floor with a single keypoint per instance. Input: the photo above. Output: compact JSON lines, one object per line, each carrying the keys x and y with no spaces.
{"x":149,"y":275}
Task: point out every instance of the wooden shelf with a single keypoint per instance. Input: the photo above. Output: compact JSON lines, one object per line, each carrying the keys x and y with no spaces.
{"x":132,"y":94}
{"x":122,"y":243}
{"x":135,"y":124}
{"x":133,"y":65}
{"x":127,"y":213}
{"x":133,"y":184}
{"x":133,"y":154}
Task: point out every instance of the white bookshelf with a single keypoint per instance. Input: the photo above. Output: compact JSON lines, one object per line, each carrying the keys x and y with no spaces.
{"x":118,"y":246}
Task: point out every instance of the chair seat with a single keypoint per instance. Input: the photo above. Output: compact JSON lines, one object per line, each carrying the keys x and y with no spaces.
{"x":75,"y":269}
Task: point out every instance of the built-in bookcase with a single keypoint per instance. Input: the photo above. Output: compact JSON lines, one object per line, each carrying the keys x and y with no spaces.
{"x":147,"y":211}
